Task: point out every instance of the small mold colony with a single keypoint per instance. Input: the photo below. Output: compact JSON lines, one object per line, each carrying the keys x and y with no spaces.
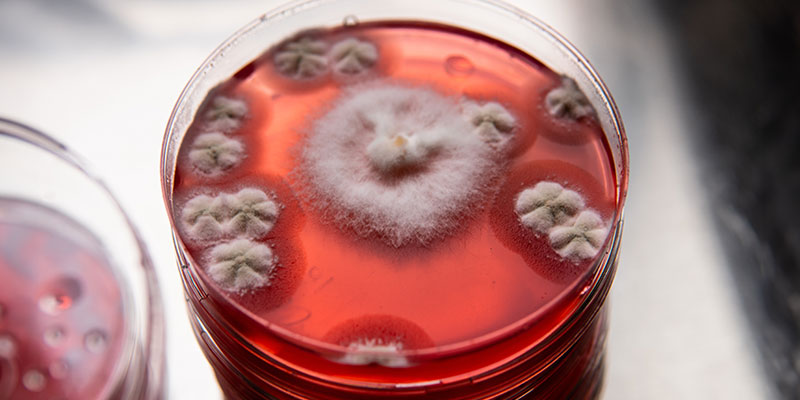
{"x":576,"y":233}
{"x":308,"y":58}
{"x":229,"y":221}
{"x":61,"y":314}
{"x":388,"y":152}
{"x":377,"y":339}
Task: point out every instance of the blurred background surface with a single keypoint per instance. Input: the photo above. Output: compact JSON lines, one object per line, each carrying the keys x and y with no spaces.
{"x":705,"y":305}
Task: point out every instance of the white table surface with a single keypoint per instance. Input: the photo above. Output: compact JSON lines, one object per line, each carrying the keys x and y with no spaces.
{"x":103,"y":75}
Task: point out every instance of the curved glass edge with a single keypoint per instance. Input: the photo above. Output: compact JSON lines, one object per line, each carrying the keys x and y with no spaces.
{"x":148,"y":332}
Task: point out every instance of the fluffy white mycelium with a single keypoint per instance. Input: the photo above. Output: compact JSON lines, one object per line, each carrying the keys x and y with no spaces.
{"x":582,"y":238}
{"x":546,"y":205}
{"x":203,"y":217}
{"x":303,"y":58}
{"x":212,"y":153}
{"x":491,"y":120}
{"x":396,"y":161}
{"x":250,"y":213}
{"x":575,"y":232}
{"x":375,"y":351}
{"x":225,"y":114}
{"x":241,"y":264}
{"x":568,"y":101}
{"x":352,"y":56}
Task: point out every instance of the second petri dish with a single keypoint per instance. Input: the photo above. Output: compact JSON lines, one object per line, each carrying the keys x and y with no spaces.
{"x":80,"y":312}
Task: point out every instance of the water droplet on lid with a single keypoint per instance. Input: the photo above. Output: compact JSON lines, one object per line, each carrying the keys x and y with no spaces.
{"x":59,"y":369}
{"x":34,"y":381}
{"x":458,"y":65}
{"x":54,"y":336}
{"x":53,"y":304}
{"x":350,"y":20}
{"x":8,"y":346}
{"x":60,"y":296}
{"x":95,"y":341}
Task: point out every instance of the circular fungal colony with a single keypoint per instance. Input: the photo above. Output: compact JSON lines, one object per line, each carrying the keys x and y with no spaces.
{"x":403,"y":157}
{"x":401,"y":163}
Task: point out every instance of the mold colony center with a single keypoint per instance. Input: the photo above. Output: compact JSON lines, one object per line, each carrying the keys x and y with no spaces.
{"x":393,"y":187}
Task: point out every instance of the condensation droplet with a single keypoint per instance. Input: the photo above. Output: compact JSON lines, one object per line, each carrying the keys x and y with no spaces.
{"x":8,"y":346}
{"x":54,"y":336}
{"x":350,"y":20}
{"x":314,"y":273}
{"x":61,"y":296}
{"x":59,"y":369}
{"x":458,"y":65}
{"x":53,"y":304}
{"x":34,"y":381}
{"x":95,"y":341}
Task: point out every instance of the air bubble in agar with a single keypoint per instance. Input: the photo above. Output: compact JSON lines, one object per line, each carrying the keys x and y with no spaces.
{"x":458,"y":65}
{"x":350,"y":20}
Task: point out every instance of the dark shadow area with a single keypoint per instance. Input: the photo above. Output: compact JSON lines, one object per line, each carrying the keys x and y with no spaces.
{"x":741,"y":60}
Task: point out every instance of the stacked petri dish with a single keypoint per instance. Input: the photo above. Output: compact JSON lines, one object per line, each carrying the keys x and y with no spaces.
{"x":416,"y":200}
{"x":80,"y":312}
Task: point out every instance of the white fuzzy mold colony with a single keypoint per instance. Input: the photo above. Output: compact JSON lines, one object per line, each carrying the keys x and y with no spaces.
{"x":546,"y":205}
{"x":252,"y":213}
{"x":308,"y":58}
{"x":574,"y":231}
{"x":353,"y":56}
{"x":225,"y":114}
{"x":493,"y":123}
{"x":582,"y":238}
{"x":202,"y":218}
{"x":241,"y":264}
{"x":396,"y":161}
{"x":375,"y":351}
{"x":213,"y":153}
{"x":303,"y":58}
{"x":567,"y":101}
{"x":248,"y":213}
